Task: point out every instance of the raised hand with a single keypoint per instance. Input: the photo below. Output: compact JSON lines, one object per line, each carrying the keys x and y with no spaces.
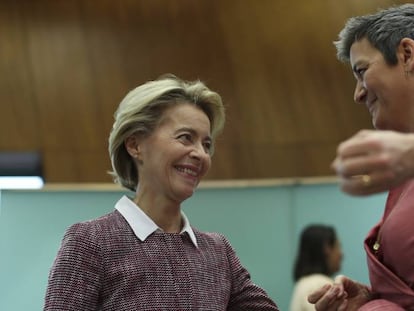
{"x":374,"y":161}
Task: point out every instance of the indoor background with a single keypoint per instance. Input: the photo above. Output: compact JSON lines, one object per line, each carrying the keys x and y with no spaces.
{"x":66,"y":64}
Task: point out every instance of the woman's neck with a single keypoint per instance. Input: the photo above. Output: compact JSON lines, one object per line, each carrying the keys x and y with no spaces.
{"x":166,"y":214}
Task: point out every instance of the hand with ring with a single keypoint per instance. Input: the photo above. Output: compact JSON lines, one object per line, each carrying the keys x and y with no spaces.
{"x":374,"y":161}
{"x":364,"y":179}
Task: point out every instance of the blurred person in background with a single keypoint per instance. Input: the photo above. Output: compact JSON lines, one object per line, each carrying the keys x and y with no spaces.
{"x":319,"y":257}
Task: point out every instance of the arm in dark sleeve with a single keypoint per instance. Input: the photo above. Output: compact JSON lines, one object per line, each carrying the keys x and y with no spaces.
{"x":75,"y":277}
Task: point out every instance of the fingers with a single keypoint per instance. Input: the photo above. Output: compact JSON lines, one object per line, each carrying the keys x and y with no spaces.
{"x":340,"y":279}
{"x":333,"y":299}
{"x":363,"y":142}
{"x":363,"y":165}
{"x":318,"y":294}
{"x":364,"y":176}
{"x":367,"y":184}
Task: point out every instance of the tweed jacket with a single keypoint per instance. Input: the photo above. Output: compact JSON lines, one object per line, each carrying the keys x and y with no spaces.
{"x":102,"y":265}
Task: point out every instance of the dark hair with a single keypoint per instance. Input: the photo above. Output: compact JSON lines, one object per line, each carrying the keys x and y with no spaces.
{"x":311,"y":257}
{"x":384,"y":30}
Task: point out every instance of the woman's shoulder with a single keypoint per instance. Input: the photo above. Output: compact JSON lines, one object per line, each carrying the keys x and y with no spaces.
{"x":211,"y":238}
{"x":107,"y":222}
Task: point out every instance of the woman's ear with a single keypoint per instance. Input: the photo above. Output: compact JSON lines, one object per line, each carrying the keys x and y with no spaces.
{"x":406,"y":52}
{"x":132,"y":146}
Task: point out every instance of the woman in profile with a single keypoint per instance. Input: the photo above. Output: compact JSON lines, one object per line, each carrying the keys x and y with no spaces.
{"x":318,"y":258}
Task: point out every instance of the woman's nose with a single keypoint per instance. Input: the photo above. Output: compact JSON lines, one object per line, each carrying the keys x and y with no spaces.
{"x":360,"y":93}
{"x":198,"y":151}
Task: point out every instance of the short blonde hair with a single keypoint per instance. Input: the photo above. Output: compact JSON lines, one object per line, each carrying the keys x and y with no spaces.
{"x":142,"y":108}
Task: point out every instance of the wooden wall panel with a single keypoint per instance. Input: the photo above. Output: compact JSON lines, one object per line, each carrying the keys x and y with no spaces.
{"x":65,"y":66}
{"x":18,"y":115}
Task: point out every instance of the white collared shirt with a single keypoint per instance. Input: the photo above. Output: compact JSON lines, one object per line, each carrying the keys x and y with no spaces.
{"x":142,"y":225}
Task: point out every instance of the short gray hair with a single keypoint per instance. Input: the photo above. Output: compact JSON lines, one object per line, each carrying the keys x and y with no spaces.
{"x":384,"y":30}
{"x":142,"y":108}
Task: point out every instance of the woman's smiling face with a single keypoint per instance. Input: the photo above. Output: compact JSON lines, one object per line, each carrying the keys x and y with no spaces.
{"x":385,"y":89}
{"x":176,"y":156}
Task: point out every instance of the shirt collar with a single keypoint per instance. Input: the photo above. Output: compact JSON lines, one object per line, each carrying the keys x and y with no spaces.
{"x":142,"y":225}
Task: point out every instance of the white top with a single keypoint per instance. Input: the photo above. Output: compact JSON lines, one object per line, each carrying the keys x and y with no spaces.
{"x":305,"y":286}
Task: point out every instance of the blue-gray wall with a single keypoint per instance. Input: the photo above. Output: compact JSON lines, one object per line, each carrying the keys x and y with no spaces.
{"x":262,"y":223}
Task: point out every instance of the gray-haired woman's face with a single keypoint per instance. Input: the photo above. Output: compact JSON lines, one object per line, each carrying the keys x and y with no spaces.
{"x":386,"y":91}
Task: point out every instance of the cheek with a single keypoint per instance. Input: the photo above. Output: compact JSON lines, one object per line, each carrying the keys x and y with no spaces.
{"x":384,"y":83}
{"x":208,"y":163}
{"x":339,"y":257}
{"x":371,"y":81}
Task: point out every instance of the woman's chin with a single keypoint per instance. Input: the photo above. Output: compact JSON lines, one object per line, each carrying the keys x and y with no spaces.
{"x":187,"y":193}
{"x":379,"y":124}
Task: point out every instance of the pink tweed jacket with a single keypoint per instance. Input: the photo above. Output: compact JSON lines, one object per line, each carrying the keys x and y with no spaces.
{"x":102,"y":265}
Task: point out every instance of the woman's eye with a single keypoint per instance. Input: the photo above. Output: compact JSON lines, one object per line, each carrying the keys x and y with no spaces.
{"x":207,"y":146}
{"x":185,"y":137}
{"x":360,"y":72}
